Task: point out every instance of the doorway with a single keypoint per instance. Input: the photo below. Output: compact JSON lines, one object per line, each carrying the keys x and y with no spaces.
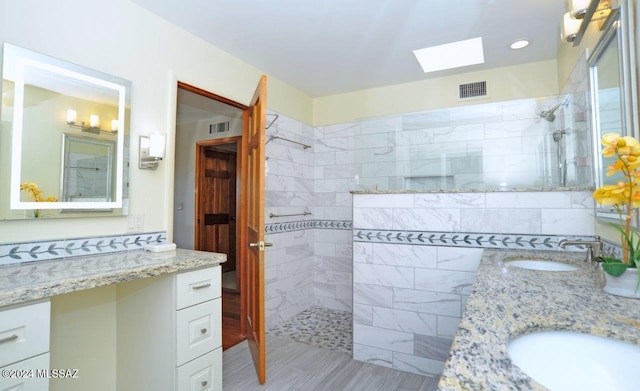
{"x":248,"y":125}
{"x":208,"y":151}
{"x":217,"y":189}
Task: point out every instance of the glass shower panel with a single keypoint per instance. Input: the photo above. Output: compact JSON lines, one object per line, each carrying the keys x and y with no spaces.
{"x":501,"y":145}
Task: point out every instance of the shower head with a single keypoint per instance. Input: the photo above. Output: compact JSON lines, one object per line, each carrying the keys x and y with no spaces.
{"x":549,"y":114}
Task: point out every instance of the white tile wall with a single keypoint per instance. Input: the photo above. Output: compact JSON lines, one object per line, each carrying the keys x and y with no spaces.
{"x":289,"y":264}
{"x":475,"y":147}
{"x":409,"y":291}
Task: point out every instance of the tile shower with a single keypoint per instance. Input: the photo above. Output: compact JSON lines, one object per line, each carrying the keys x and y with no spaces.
{"x":477,"y":146}
{"x":348,"y":255}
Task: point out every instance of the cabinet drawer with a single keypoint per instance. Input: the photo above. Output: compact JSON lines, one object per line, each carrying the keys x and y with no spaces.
{"x":199,"y":330}
{"x":24,"y":332}
{"x":198,"y":286}
{"x":33,"y":375}
{"x":202,"y":374}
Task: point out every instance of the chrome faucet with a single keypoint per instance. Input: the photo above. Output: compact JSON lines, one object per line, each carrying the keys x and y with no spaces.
{"x":594,"y":248}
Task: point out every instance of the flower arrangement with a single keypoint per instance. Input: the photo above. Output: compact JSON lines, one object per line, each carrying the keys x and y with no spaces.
{"x":624,"y":196}
{"x":37,"y":195}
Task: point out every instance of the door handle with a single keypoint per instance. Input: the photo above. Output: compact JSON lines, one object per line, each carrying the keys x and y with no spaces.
{"x":261,"y":245}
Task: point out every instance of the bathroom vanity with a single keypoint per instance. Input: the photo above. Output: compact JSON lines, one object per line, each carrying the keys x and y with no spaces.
{"x":163,"y":315}
{"x":507,"y":302}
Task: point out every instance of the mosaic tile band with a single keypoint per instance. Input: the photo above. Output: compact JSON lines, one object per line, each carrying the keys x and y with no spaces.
{"x":466,"y":239}
{"x":65,"y":248}
{"x":290,"y":226}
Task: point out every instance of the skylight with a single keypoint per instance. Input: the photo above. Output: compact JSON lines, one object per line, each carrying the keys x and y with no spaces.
{"x":450,"y":55}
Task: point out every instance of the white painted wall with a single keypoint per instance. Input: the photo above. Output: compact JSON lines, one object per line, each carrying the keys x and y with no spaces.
{"x":516,"y":82}
{"x":120,"y":38}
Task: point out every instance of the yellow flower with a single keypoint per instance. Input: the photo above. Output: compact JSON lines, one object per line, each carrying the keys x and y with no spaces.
{"x":609,"y":195}
{"x":624,"y":196}
{"x":610,"y":141}
{"x":32,"y":188}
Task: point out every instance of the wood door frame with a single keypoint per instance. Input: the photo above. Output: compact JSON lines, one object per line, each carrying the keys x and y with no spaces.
{"x":240,"y":234}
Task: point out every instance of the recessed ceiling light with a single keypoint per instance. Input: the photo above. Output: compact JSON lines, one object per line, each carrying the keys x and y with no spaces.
{"x":519,"y":44}
{"x":451,"y":55}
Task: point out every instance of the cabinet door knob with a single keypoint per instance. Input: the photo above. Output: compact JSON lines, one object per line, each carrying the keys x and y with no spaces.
{"x":204,"y":383}
{"x":203,"y":331}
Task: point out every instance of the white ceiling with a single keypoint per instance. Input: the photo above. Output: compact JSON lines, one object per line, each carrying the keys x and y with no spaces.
{"x":325,"y":47}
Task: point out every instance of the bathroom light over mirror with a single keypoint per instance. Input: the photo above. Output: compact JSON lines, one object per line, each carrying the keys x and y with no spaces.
{"x":48,"y":105}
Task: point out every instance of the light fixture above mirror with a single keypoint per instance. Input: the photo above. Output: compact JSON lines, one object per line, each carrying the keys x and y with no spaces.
{"x":582,"y":12}
{"x":94,"y":123}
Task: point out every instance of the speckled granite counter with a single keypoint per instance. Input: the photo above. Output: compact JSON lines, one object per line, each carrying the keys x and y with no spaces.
{"x":507,"y":302}
{"x":37,"y":280}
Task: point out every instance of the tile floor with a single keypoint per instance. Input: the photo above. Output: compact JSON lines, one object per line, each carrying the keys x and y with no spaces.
{"x":321,"y":327}
{"x":312,"y":351}
{"x":296,"y":366}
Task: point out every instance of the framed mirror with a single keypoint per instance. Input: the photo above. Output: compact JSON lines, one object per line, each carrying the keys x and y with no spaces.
{"x":56,"y":114}
{"x":613,"y":92}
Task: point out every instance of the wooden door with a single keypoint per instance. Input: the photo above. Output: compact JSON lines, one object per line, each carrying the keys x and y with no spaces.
{"x":252,"y":241}
{"x":217,"y":203}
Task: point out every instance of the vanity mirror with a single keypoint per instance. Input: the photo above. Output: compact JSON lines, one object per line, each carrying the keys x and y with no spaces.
{"x":64,"y":138}
{"x":613,"y":90}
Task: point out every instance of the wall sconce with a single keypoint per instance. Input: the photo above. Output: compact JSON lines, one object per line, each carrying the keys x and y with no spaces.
{"x":579,"y":8}
{"x":94,"y":123}
{"x":570,"y":28}
{"x":151,"y":151}
{"x":582,"y":12}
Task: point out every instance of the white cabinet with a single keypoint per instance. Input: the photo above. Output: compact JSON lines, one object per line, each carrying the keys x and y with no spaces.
{"x":24,"y":346}
{"x":169,"y":332}
{"x":198,"y":330}
{"x":201,"y":374}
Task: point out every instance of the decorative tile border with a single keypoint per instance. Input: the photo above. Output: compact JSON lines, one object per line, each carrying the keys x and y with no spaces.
{"x":466,"y":239}
{"x":275,"y":228}
{"x":65,"y":248}
{"x":612,"y":249}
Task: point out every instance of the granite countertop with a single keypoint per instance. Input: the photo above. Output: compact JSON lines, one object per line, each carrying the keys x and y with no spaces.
{"x":507,"y":302}
{"x":37,"y":280}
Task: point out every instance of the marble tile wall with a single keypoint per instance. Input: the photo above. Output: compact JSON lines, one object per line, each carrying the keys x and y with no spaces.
{"x":415,"y":257}
{"x":472,"y":147}
{"x":334,"y":177}
{"x":289,"y":264}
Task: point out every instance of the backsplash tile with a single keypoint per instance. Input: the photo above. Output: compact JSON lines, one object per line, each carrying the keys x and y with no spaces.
{"x":65,"y":248}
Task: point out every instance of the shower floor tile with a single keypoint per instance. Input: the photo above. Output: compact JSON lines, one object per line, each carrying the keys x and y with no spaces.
{"x":317,"y":326}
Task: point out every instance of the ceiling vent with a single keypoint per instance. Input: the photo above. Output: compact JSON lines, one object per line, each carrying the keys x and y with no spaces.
{"x":220,"y":127}
{"x":473,"y":90}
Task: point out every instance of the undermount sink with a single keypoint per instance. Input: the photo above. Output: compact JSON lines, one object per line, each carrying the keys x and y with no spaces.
{"x":538,"y":264}
{"x":567,"y":360}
